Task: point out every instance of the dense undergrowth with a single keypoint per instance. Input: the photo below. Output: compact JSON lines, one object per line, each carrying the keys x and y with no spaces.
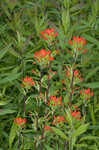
{"x":49,"y":97}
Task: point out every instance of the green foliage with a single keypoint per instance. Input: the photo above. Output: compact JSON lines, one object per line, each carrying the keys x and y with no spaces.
{"x":20,"y":27}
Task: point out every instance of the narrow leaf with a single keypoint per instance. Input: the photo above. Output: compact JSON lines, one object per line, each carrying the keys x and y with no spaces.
{"x":92,"y":85}
{"x":80,"y":130}
{"x":4,"y":51}
{"x":6,"y":111}
{"x":12,"y":135}
{"x":59,"y":132}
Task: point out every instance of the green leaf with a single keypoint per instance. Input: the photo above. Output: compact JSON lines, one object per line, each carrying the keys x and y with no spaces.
{"x":91,"y":73}
{"x":65,"y":19}
{"x":95,"y":127}
{"x":91,"y":39}
{"x":11,"y":3}
{"x":66,"y":4}
{"x":14,"y":53}
{"x":6,"y":111}
{"x":4,"y":51}
{"x":3,"y":103}
{"x":48,"y":148}
{"x":10,"y":78}
{"x":92,"y":114}
{"x":89,"y":138}
{"x":12,"y":135}
{"x":69,"y":117}
{"x":92,"y":85}
{"x":80,"y":130}
{"x":73,"y":141}
{"x":59,"y":132}
{"x":81,"y":145}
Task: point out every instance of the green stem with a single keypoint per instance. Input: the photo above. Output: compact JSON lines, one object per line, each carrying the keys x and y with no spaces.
{"x":84,"y":109}
{"x":71,"y":88}
{"x":65,"y":145}
{"x":70,"y":144}
{"x":19,"y":141}
{"x":40,"y":87}
{"x":23,"y":142}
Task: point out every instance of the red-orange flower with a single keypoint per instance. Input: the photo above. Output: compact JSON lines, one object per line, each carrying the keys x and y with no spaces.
{"x":75,"y":114}
{"x":54,"y":72}
{"x":43,"y":56}
{"x":20,"y":122}
{"x":47,"y":128}
{"x":55,"y":101}
{"x":27,"y":82}
{"x":84,"y":51}
{"x":78,"y":43}
{"x":49,"y":34}
{"x":68,"y":72}
{"x":86,"y":93}
{"x":76,"y":73}
{"x":58,"y":119}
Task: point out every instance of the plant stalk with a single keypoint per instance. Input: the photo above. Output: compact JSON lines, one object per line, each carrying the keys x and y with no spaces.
{"x":19,"y":141}
{"x":71,"y":88}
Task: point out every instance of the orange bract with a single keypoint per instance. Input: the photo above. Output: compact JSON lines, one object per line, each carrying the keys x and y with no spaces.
{"x":56,"y":101}
{"x":78,"y":41}
{"x":48,"y":34}
{"x":47,"y":128}
{"x":75,"y":114}
{"x":20,"y":122}
{"x":27,"y":81}
{"x":76,"y":73}
{"x":58,"y":119}
{"x":43,"y":56}
{"x":86,"y":93}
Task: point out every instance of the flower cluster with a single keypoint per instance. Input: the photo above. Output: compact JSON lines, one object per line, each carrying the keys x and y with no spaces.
{"x":75,"y":72}
{"x":58,"y":119}
{"x":75,"y":114}
{"x":47,"y":128}
{"x":55,"y":101}
{"x":20,"y":122}
{"x":43,"y":56}
{"x":53,"y":72}
{"x":77,"y":42}
{"x":27,"y":82}
{"x":86,"y":93}
{"x":49,"y":34}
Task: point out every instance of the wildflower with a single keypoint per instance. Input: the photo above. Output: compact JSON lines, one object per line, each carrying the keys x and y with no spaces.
{"x":75,"y":114}
{"x":51,"y":58}
{"x":63,"y":81}
{"x":27,"y":82}
{"x":53,"y":72}
{"x":56,"y":101}
{"x":20,"y":122}
{"x":68,"y":71}
{"x":58,"y":119}
{"x":76,"y":73}
{"x":49,"y":34}
{"x":43,"y":56}
{"x":47,"y":128}
{"x":57,"y":52}
{"x":86,"y":93}
{"x":84,"y":51}
{"x":77,"y":41}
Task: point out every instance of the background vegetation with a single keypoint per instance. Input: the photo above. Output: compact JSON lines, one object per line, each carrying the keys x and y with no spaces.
{"x":20,"y":24}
